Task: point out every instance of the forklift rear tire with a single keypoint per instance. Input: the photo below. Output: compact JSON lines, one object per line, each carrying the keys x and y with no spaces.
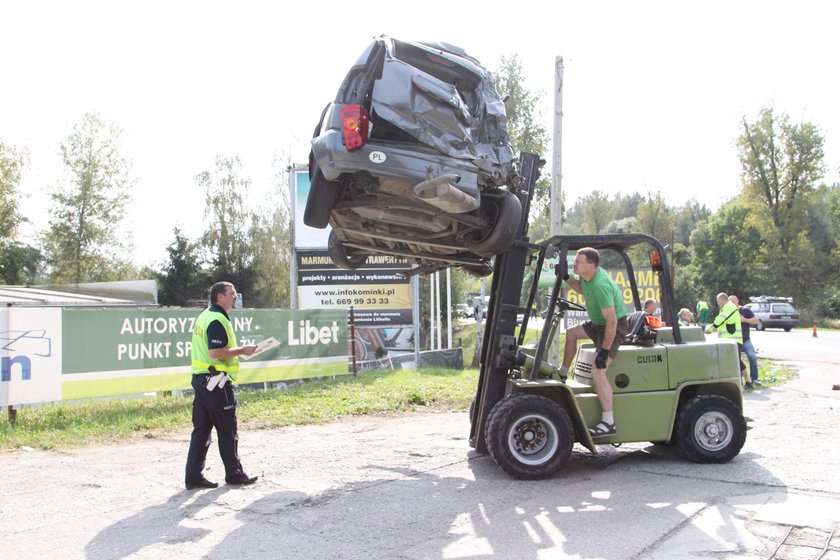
{"x":711,"y":429}
{"x":529,"y":436}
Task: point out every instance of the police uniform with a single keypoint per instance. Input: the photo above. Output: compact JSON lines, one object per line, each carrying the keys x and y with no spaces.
{"x":213,"y":408}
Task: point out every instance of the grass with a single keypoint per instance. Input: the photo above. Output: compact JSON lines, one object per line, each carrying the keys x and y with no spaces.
{"x":66,"y":425}
{"x":772,"y":373}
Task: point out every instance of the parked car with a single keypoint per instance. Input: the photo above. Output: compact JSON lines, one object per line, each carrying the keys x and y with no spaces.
{"x":413,"y":159}
{"x":774,"y":312}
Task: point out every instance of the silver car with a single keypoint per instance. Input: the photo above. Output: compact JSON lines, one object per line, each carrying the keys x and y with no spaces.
{"x":774,"y":312}
{"x":412,"y":159}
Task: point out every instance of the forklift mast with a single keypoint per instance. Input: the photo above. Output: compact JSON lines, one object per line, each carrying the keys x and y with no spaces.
{"x":498,"y":348}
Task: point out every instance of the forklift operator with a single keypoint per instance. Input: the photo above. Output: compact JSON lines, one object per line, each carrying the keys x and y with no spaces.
{"x":607,"y":327}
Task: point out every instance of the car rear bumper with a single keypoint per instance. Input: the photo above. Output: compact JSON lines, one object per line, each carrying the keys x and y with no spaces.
{"x":780,"y":324}
{"x":403,"y":161}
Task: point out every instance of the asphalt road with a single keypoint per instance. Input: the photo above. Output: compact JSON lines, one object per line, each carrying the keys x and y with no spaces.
{"x":409,"y":487}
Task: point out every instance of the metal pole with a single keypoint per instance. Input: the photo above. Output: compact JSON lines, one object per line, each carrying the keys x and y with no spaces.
{"x":353,"y":368}
{"x":557,"y":144}
{"x":432,"y":311}
{"x":448,"y":308}
{"x":556,"y":216}
{"x":415,"y":306}
{"x":437,"y":311}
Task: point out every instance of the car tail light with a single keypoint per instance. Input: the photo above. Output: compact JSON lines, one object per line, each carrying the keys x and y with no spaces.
{"x":354,"y":119}
{"x":795,"y":316}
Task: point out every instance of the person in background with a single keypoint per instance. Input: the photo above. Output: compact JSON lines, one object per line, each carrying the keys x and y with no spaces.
{"x":652,"y":318}
{"x":702,"y":313}
{"x":728,"y":325}
{"x":685,"y":317}
{"x":748,"y":318}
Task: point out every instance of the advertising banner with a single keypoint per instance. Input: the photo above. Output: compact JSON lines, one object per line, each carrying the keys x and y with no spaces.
{"x":647,"y":283}
{"x":54,"y":354}
{"x":380,"y":296}
{"x":305,"y":237}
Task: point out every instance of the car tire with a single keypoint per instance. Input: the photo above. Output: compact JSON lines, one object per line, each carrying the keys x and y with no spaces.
{"x":319,"y":204}
{"x":508,"y":215}
{"x":711,"y":429}
{"x":529,"y":436}
{"x":759,"y":326}
{"x":787,"y":329}
{"x":342,"y":256}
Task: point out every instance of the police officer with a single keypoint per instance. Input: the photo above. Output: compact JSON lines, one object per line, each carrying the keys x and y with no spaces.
{"x":215,"y":362}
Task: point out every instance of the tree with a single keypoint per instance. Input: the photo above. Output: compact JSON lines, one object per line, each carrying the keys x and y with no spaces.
{"x":84,"y":242}
{"x":726,"y":254}
{"x":597,"y":212}
{"x":226,"y":238}
{"x":182,"y":279}
{"x":270,"y":239}
{"x":782,"y":163}
{"x":655,"y":218}
{"x":687,"y":217}
{"x":12,"y":163}
{"x":527,"y":134}
{"x":19,"y":262}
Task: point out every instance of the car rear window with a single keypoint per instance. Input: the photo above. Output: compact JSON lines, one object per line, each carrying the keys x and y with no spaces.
{"x":783,"y":308}
{"x":442,"y":68}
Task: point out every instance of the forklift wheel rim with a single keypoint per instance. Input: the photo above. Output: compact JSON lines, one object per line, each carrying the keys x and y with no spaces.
{"x":713,"y":431}
{"x":533,"y":430}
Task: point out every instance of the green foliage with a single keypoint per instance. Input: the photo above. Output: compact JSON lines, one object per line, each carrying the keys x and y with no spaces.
{"x":781,"y":163}
{"x":12,"y":163}
{"x":527,"y":133}
{"x":182,"y":278}
{"x":597,"y":211}
{"x":726,"y":253}
{"x":270,"y":239}
{"x":226,"y":238}
{"x":84,"y":242}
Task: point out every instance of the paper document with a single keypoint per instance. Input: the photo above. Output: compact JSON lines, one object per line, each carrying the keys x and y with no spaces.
{"x":262,"y":347}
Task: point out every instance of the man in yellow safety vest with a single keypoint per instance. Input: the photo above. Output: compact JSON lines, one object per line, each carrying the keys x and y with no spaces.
{"x":215,"y":361}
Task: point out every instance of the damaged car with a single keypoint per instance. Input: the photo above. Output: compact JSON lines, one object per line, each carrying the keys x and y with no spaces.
{"x":413,"y":159}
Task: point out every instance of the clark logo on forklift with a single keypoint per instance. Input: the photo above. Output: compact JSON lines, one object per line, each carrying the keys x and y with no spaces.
{"x":649,"y":359}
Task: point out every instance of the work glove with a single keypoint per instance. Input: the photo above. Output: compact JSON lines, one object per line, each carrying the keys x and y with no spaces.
{"x":601,"y":358}
{"x":217,"y":380}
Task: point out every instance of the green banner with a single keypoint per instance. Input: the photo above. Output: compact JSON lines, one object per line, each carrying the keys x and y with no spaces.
{"x":97,"y":340}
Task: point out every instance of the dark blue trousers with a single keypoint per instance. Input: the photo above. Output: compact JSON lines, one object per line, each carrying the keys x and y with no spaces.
{"x":213,"y":409}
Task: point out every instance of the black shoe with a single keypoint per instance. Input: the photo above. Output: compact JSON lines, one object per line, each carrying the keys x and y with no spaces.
{"x":748,"y":385}
{"x":201,"y":483}
{"x":241,"y":479}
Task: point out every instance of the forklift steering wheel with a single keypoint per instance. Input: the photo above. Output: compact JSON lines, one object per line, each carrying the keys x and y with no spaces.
{"x":566,"y":305}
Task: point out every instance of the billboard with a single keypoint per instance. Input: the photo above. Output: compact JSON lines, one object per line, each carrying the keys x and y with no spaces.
{"x":304,"y":237}
{"x":57,"y":354}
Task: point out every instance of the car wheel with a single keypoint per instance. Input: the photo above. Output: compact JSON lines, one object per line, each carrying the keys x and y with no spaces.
{"x":711,"y":429}
{"x":529,"y":436}
{"x":342,"y":256}
{"x":507,"y":214}
{"x":787,"y":329}
{"x":319,"y":204}
{"x":759,"y":326}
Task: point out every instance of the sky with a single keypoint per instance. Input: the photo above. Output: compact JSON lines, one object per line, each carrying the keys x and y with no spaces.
{"x":653,"y":94}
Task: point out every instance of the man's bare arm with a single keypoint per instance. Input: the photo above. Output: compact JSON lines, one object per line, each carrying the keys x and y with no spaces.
{"x":227,"y":353}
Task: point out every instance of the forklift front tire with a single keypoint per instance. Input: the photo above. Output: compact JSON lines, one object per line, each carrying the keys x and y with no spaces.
{"x":529,"y":436}
{"x":711,"y":429}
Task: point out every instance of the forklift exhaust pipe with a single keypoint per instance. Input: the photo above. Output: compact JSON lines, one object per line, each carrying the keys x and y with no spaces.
{"x":439,"y":192}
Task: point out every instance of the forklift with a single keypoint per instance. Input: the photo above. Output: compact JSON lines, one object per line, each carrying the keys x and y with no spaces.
{"x":670,"y":385}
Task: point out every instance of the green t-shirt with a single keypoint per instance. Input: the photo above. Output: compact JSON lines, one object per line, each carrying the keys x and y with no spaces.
{"x":602,"y":292}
